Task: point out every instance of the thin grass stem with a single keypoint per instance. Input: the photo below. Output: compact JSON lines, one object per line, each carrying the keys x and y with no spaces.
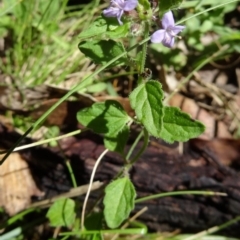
{"x":46,"y":141}
{"x":177,"y":193}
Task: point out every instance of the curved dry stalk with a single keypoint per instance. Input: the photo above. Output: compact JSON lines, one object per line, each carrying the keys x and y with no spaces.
{"x":90,"y":186}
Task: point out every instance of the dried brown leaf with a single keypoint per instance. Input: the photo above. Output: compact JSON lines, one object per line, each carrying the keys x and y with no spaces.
{"x":16,"y":185}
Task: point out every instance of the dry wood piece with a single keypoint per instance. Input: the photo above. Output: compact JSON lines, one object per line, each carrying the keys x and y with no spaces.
{"x":160,"y":169}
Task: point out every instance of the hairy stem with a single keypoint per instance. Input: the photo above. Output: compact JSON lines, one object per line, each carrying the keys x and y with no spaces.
{"x":143,"y":54}
{"x":143,"y":148}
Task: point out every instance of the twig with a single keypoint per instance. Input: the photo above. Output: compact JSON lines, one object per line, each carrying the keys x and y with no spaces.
{"x":72,"y":193}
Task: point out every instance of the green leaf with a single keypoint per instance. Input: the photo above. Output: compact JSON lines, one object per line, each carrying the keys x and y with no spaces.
{"x":116,"y":31}
{"x":144,"y":10}
{"x":106,"y":117}
{"x":105,"y":27}
{"x":117,"y":142}
{"x":102,"y":51}
{"x":62,"y":213}
{"x":165,"y":5}
{"x":145,"y":4}
{"x":178,"y":126}
{"x":206,"y":26}
{"x":98,"y":27}
{"x":146,"y":100}
{"x":118,"y":201}
{"x":97,"y":87}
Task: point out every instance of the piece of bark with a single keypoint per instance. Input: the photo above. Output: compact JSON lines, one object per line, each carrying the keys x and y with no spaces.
{"x":163,"y":169}
{"x":160,"y":169}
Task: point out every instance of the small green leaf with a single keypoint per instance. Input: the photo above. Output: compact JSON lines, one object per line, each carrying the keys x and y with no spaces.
{"x":145,"y":4}
{"x":62,"y":213}
{"x":97,"y":87}
{"x":146,"y":100}
{"x":116,"y":31}
{"x":105,"y":27}
{"x":178,"y":126}
{"x":118,"y":201}
{"x":117,"y":142}
{"x":102,"y":51}
{"x":206,"y":26}
{"x":107,"y":117}
{"x":144,"y":10}
{"x":165,"y":5}
{"x":98,"y":27}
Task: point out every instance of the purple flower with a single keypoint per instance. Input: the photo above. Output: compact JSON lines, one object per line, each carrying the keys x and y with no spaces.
{"x":167,"y":35}
{"x":117,"y":8}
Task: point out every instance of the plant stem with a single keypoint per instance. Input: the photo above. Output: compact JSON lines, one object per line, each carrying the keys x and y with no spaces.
{"x":175,"y":193}
{"x":134,"y":145}
{"x":205,"y":10}
{"x":144,"y":54}
{"x":69,"y":167}
{"x":143,"y":148}
{"x":70,"y":170}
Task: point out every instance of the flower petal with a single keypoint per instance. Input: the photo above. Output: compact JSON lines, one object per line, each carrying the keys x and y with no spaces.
{"x":158,"y":36}
{"x":111,"y":12}
{"x":168,"y":41}
{"x":130,"y":5}
{"x":119,"y":3}
{"x":168,"y":20}
{"x":119,"y":17}
{"x":177,"y":29}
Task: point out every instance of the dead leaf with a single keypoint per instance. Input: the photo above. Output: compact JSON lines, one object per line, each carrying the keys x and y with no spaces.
{"x":37,"y":100}
{"x":227,"y":151}
{"x":16,"y":185}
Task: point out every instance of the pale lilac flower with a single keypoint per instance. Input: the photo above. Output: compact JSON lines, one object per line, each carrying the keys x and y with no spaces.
{"x":117,"y":8}
{"x":167,"y":35}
